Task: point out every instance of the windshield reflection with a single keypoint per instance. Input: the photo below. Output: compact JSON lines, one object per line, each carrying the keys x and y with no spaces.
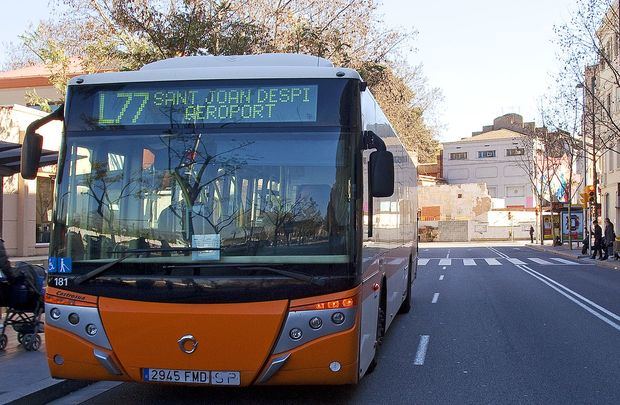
{"x":251,"y":194}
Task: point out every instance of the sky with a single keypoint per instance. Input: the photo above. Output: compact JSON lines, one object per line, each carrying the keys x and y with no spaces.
{"x":488,"y":57}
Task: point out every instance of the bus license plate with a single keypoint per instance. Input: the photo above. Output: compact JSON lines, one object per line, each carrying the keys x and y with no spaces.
{"x":191,"y":376}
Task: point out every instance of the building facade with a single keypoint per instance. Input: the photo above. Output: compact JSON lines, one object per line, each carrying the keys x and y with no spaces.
{"x":493,"y":156}
{"x":25,"y":207}
{"x":602,"y":113}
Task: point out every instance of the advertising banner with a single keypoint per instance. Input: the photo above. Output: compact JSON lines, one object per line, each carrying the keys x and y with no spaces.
{"x":574,"y":226}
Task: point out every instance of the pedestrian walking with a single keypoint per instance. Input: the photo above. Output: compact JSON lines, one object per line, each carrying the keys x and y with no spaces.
{"x":597,"y":247}
{"x":531,"y":234}
{"x":610,"y":237}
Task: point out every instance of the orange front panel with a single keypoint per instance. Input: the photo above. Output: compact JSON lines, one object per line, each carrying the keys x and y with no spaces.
{"x":231,"y":337}
{"x":79,"y":362}
{"x":309,"y":364}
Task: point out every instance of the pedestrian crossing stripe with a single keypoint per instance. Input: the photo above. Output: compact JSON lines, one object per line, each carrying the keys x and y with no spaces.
{"x":515,"y":261}
{"x":538,"y":260}
{"x":491,"y":261}
{"x":563,"y":261}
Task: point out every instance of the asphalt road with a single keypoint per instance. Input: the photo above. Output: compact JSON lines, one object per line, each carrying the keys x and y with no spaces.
{"x":503,"y":325}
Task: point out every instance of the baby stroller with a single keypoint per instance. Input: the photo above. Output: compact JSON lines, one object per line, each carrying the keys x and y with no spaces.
{"x":22,"y":291}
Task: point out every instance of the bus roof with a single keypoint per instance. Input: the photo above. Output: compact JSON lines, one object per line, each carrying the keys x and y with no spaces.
{"x":264,"y":66}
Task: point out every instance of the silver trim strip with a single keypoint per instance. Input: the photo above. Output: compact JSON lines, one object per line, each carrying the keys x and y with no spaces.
{"x":87,"y":315}
{"x":301,"y":320}
{"x":274,"y":367}
{"x":107,"y":362}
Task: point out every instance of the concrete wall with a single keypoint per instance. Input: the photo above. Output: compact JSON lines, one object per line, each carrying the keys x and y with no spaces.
{"x":455,"y":201}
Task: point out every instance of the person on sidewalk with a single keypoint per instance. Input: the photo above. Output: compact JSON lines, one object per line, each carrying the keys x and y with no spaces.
{"x":597,"y":247}
{"x":5,"y":264}
{"x":610,"y":237}
{"x":531,"y":234}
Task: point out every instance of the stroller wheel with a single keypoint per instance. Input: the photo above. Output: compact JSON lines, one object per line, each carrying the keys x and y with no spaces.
{"x":3,"y":341}
{"x":27,"y":341}
{"x":20,"y":338}
{"x":36,"y":343}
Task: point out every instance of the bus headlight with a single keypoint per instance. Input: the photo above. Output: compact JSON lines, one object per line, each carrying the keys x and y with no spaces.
{"x":316,"y":322}
{"x":91,"y":329}
{"x":338,"y":318}
{"x":55,"y":313}
{"x":295,"y":334}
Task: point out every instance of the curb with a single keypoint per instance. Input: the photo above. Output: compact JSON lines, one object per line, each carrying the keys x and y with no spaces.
{"x":609,"y":265}
{"x":45,"y":391}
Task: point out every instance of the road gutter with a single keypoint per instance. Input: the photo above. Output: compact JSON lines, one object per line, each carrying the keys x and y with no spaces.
{"x":43,"y":392}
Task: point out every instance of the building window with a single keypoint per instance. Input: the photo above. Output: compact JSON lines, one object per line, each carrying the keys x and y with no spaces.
{"x":492,"y":191}
{"x":608,"y":103}
{"x":45,"y":197}
{"x":515,"y":191}
{"x":486,"y":154}
{"x":515,"y":152}
{"x":607,"y":205}
{"x":459,"y":196}
{"x":458,"y":156}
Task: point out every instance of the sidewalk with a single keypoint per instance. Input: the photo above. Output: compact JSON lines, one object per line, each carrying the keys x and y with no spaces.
{"x":575,"y":254}
{"x":25,"y":377}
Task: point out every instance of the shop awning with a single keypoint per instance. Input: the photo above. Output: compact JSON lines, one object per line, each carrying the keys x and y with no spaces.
{"x":10,"y":157}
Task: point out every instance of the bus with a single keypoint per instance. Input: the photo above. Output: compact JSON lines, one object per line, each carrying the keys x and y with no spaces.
{"x":226,"y":220}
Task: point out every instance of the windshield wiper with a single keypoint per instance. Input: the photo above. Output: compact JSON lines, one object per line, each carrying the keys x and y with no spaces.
{"x":320,"y":281}
{"x":128,"y":253}
{"x":316,"y":280}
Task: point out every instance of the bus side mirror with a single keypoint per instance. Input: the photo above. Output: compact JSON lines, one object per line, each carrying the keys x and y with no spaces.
{"x":381,"y":173}
{"x":31,"y":154}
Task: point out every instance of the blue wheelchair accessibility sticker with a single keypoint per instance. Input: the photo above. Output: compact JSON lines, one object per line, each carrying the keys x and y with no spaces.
{"x":52,"y":265}
{"x":64,"y":265}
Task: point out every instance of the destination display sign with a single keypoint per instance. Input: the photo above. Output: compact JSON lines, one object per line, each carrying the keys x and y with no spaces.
{"x":206,"y":104}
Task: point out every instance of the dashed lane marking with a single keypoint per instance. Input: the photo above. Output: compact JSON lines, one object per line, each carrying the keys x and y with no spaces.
{"x":441,"y":277}
{"x":421,"y":353}
{"x":445,"y":262}
{"x":435,"y":298}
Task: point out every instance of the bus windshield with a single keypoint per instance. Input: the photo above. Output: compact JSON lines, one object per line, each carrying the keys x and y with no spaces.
{"x":268,"y":196}
{"x":249,"y":194}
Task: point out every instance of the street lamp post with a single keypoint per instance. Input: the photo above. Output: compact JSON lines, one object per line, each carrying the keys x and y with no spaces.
{"x":587,"y":224}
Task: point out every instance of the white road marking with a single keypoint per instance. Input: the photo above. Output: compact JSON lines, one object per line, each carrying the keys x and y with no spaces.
{"x":538,"y":260}
{"x":435,"y":298}
{"x":469,"y":262}
{"x":421,"y":353}
{"x":423,"y":262}
{"x":443,"y":268}
{"x":445,"y":262}
{"x":543,"y":278}
{"x":493,"y":262}
{"x":515,"y":261}
{"x":441,"y":277}
{"x":564,"y":261}
{"x":448,"y":255}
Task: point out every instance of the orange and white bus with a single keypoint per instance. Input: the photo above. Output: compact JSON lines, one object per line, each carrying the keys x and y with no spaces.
{"x":227,"y":221}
